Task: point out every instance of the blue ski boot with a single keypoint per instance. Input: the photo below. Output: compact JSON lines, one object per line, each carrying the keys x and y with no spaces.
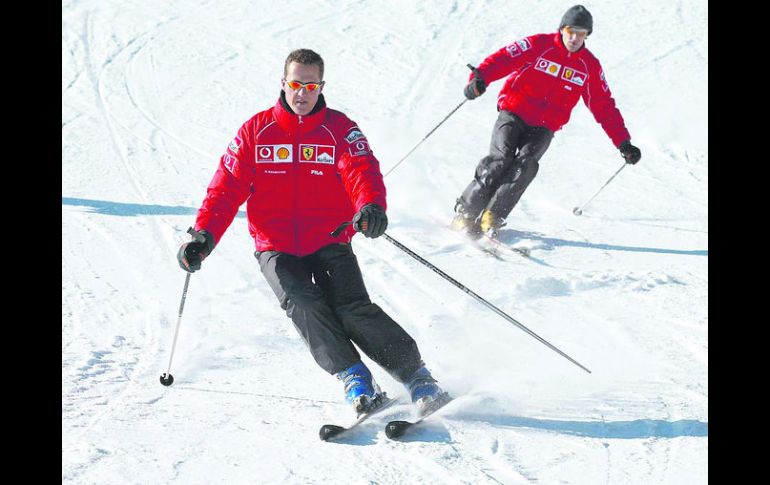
{"x":360,"y":389}
{"x":425,"y":393}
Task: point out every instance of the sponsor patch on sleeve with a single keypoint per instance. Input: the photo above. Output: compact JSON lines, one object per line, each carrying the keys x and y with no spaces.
{"x":361,"y":147}
{"x":518,"y":48}
{"x":354,"y":134}
{"x":230,"y":162}
{"x":234,"y":146}
{"x":605,"y":86}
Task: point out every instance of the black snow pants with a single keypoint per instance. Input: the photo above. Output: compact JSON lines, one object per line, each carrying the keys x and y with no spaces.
{"x":324,"y":295}
{"x":502,"y":176}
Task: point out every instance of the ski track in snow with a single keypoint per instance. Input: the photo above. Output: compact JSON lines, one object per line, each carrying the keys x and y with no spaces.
{"x":150,"y":96}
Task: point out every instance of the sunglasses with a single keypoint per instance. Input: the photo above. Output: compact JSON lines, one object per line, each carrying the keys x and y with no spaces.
{"x":576,"y":31}
{"x":296,"y":85}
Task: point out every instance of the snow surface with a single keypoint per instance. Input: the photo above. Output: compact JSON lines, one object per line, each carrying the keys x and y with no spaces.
{"x":152,"y":92}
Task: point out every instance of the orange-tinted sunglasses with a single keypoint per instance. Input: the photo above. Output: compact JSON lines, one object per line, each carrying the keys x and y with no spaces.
{"x":575,"y":30}
{"x":296,"y":85}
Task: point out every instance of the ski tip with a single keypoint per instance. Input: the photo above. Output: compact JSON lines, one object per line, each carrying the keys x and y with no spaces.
{"x":395,"y":429}
{"x":329,"y":431}
{"x":523,"y":251}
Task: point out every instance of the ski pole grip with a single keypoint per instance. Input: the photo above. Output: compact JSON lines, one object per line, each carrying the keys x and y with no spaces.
{"x":197,"y":236}
{"x":340,"y":228}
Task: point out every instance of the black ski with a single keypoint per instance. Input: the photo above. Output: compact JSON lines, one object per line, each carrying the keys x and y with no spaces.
{"x":395,"y":429}
{"x":491,"y":245}
{"x":497,"y":244}
{"x":330,"y":431}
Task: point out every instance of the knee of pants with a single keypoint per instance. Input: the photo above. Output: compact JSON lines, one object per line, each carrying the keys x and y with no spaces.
{"x":524,"y":172}
{"x":489,"y":170}
{"x":304,"y":299}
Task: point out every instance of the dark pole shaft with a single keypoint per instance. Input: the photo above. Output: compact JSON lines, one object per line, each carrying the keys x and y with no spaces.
{"x":602,"y":188}
{"x":482,"y":300}
{"x":425,"y":138}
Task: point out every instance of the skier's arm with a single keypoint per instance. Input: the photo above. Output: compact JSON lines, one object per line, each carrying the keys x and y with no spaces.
{"x":360,"y":171}
{"x":230,"y":186}
{"x":506,"y":60}
{"x":598,"y":97}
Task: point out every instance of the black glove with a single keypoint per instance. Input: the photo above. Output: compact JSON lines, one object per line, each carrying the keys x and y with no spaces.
{"x":370,"y":221}
{"x":191,"y":254}
{"x":630,"y":152}
{"x":476,"y":87}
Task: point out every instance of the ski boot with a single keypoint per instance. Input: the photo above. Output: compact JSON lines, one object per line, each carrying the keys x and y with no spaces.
{"x":465,"y":222}
{"x":424,"y":391}
{"x":360,"y":389}
{"x":490,"y":224}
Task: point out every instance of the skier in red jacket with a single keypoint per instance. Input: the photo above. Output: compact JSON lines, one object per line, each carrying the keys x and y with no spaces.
{"x":302,"y":169}
{"x":547,"y":74}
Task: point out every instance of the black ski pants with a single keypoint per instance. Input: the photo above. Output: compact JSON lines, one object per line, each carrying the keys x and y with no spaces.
{"x":502,"y":176}
{"x":324,"y":295}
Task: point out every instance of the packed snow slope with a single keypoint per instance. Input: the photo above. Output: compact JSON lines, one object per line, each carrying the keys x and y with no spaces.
{"x":152,"y":93}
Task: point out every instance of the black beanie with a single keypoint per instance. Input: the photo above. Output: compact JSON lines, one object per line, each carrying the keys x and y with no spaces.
{"x":578,"y":16}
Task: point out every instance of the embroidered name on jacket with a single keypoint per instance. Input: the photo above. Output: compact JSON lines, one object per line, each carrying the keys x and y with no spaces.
{"x":316,"y":154}
{"x":274,"y":153}
{"x":548,"y":67}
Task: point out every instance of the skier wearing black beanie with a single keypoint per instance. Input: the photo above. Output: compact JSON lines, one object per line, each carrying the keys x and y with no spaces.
{"x":546,"y":76}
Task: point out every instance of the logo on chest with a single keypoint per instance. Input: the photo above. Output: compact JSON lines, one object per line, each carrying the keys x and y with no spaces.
{"x":316,"y":154}
{"x":549,"y":67}
{"x":574,"y":76}
{"x":274,"y":153}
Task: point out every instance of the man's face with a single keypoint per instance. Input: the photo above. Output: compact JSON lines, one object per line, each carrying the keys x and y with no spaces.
{"x":573,"y":37}
{"x":302,"y":99}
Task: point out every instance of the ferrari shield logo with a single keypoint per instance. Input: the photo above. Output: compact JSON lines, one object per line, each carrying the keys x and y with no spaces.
{"x":307,"y":152}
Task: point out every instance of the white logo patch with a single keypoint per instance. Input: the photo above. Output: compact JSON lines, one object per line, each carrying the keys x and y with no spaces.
{"x":316,"y":154}
{"x":360,"y":147}
{"x":354,"y":135}
{"x":513,"y":50}
{"x":235,"y":145}
{"x":549,"y":67}
{"x":274,"y":154}
{"x":518,"y":48}
{"x":229,"y":162}
{"x":316,"y":172}
{"x":574,"y":76}
{"x":605,"y":86}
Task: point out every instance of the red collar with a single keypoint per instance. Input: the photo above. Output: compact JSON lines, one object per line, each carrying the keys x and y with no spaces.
{"x":291,"y":122}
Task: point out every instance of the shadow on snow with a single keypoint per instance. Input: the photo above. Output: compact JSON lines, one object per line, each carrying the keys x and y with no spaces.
{"x":127,"y":209}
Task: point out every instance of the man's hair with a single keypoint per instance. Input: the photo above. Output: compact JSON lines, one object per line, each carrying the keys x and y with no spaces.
{"x":306,"y":57}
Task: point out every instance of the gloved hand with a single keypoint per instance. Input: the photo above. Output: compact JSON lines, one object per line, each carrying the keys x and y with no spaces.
{"x":476,"y":87}
{"x":630,"y":152}
{"x":191,"y":254}
{"x":370,"y":221}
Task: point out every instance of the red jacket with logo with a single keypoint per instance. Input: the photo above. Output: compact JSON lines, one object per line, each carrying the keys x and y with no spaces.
{"x":300,"y":176}
{"x":545,"y":81}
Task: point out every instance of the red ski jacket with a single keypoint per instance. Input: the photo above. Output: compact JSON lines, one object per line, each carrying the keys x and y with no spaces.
{"x":300,"y":176}
{"x":545,"y":81}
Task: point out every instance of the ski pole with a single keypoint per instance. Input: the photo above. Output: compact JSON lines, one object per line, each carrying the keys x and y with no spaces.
{"x":429,"y":133}
{"x":577,"y":210}
{"x":492,"y":307}
{"x":426,"y":137}
{"x":167,"y":379}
